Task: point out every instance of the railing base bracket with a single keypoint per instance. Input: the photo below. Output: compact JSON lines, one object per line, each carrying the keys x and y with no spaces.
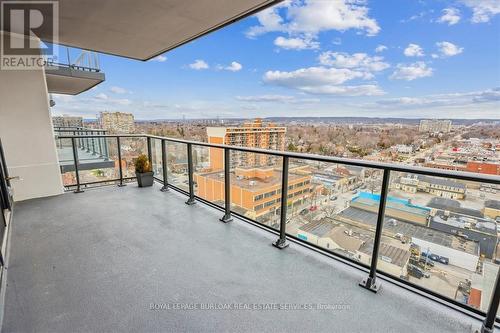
{"x":122,"y":185}
{"x":226,"y":219}
{"x":373,"y":286}
{"x":164,"y":189}
{"x":78,"y":191}
{"x":280,"y":244}
{"x":190,"y":202}
{"x":485,"y":329}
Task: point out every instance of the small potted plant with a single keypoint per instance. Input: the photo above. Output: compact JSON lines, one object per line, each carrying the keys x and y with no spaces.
{"x":143,"y":171}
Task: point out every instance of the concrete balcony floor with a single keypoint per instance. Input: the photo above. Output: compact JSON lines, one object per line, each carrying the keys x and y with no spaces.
{"x":96,"y":261}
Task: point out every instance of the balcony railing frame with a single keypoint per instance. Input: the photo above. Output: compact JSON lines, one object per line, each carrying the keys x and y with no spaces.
{"x":370,"y":282}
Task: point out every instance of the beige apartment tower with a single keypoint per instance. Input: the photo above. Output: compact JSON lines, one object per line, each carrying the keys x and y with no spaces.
{"x":255,"y":134}
{"x":117,"y":122}
{"x":435,"y":126}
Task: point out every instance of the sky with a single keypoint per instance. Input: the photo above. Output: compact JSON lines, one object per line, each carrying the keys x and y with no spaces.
{"x":354,"y":58}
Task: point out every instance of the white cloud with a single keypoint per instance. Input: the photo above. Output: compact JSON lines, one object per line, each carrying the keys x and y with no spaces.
{"x":199,"y":65}
{"x":360,"y":90}
{"x":118,"y":90}
{"x":359,"y":61}
{"x":322,"y":80}
{"x":121,"y":101}
{"x":440,"y":100}
{"x":101,"y":96}
{"x":447,"y":49}
{"x":450,"y":16}
{"x":413,"y":50}
{"x":270,"y":20}
{"x":297,"y":43}
{"x":380,"y":48}
{"x":308,"y":18}
{"x":482,"y":10}
{"x":265,"y":98}
{"x":411,"y":72}
{"x":233,"y":67}
{"x":160,"y":58}
{"x":415,"y":17}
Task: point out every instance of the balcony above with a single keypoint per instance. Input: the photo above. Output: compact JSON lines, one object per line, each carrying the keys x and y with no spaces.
{"x":99,"y":260}
{"x":74,"y":77}
{"x":142,"y":30}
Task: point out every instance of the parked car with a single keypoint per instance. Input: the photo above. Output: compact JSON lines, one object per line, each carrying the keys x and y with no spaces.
{"x":433,"y":257}
{"x":304,"y":211}
{"x":444,"y":260}
{"x":333,"y":197}
{"x":415,"y":271}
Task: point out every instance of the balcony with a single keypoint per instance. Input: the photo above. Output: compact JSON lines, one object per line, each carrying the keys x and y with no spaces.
{"x":97,"y":261}
{"x":93,"y":152}
{"x":128,"y":249}
{"x":73,"y":76}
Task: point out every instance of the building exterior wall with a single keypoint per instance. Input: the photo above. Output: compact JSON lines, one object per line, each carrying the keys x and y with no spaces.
{"x":456,"y":257}
{"x":258,"y":201}
{"x":382,"y":265}
{"x":435,"y":125}
{"x":491,"y":212}
{"x":216,"y":155}
{"x":27,"y":134}
{"x":252,"y":134}
{"x":67,"y":121}
{"x":393,"y":212}
{"x":117,"y":122}
{"x":486,"y":168}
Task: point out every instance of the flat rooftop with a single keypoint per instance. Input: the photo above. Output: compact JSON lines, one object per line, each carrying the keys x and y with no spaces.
{"x":258,"y":184}
{"x":97,"y":262}
{"x":412,"y":230}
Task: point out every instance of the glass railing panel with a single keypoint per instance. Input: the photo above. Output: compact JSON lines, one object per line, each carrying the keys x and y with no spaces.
{"x":208,"y":174}
{"x":445,"y":235}
{"x":66,"y":161}
{"x":98,"y":159}
{"x":131,"y":148}
{"x":325,"y":206}
{"x":177,"y":163}
{"x":156,"y":158}
{"x":256,"y":186}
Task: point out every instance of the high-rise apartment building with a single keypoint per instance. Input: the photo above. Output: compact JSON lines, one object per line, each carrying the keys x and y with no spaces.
{"x":67,"y":121}
{"x":117,"y":122}
{"x":435,"y":126}
{"x":255,"y":134}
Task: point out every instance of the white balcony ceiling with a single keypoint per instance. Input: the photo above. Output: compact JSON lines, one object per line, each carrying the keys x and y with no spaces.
{"x":147,"y":28}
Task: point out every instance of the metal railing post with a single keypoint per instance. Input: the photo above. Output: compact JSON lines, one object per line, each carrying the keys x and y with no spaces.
{"x":87,"y":141}
{"x":75,"y":160}
{"x":93,"y":143}
{"x":150,"y":150}
{"x":281,"y":243}
{"x":105,"y":142}
{"x":99,"y":141}
{"x":191,"y":200}
{"x":164,"y":165}
{"x":227,"y":186}
{"x":370,"y":282}
{"x":489,"y":321}
{"x":120,"y":169}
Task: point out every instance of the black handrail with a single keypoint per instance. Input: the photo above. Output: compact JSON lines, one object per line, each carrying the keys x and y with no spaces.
{"x":462,"y":175}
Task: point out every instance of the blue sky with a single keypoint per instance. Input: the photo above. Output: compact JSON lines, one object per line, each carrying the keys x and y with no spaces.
{"x":375,"y":58}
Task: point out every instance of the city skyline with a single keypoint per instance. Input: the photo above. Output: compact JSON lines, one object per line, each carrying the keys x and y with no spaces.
{"x":428,"y":59}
